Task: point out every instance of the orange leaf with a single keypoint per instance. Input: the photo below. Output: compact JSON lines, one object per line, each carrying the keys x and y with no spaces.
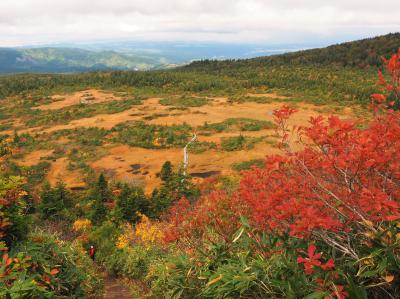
{"x":389,"y":278}
{"x":215,"y":280}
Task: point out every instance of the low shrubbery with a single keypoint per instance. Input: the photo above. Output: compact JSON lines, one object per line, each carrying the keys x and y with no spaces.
{"x":237,"y":124}
{"x":259,"y":100}
{"x":145,"y":135}
{"x":44,"y":267}
{"x":199,"y":147}
{"x":239,"y":143}
{"x":246,"y":165}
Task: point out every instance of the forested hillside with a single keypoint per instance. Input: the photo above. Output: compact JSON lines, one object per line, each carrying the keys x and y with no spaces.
{"x":335,"y":72}
{"x":361,"y":53}
{"x":65,"y":60}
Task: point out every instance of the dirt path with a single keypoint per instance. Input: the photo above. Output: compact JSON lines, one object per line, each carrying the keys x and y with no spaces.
{"x":115,"y":289}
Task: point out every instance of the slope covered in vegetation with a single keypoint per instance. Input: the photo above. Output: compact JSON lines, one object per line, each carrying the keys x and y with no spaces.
{"x":318,"y":218}
{"x":361,"y":53}
{"x":64,"y":60}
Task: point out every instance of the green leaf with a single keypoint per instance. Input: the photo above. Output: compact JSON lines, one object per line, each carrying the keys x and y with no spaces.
{"x":317,"y":295}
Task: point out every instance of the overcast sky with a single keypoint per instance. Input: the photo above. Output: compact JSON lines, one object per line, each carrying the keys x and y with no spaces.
{"x":25,"y":22}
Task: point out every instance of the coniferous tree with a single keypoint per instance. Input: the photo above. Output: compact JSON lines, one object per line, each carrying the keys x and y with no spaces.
{"x":62,"y":195}
{"x":130,"y":202}
{"x":166,"y":171}
{"x":48,"y":206}
{"x":175,"y":185}
{"x":100,"y":194}
{"x":99,"y":212}
{"x":160,"y":201}
{"x":54,"y":200}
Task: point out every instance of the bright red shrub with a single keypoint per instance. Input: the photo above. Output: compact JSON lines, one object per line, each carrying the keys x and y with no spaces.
{"x":216,"y":210}
{"x":391,"y":86}
{"x":344,"y":177}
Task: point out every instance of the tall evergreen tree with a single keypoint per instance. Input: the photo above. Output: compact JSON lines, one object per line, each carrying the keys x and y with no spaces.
{"x":101,"y":191}
{"x":62,"y":195}
{"x":166,"y":171}
{"x":131,"y":201}
{"x":175,"y":185}
{"x":99,"y":212}
{"x":100,"y":194}
{"x":53,"y":200}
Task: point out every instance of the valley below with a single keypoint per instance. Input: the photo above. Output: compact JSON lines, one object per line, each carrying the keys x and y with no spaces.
{"x":217,"y":120}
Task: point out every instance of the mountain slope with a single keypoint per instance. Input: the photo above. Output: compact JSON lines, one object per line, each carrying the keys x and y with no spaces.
{"x":69,"y":60}
{"x":361,"y":53}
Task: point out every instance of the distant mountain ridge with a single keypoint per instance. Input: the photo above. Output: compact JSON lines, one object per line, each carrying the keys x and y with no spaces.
{"x":106,"y":56}
{"x":360,"y":53}
{"x":63,"y":60}
{"x":140,"y":56}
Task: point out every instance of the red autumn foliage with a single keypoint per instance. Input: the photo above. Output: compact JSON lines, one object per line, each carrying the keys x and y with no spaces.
{"x":391,"y":85}
{"x":339,"y":293}
{"x":344,"y":178}
{"x":392,"y":66}
{"x":313,"y":260}
{"x":347,"y":176}
{"x":216,"y":210}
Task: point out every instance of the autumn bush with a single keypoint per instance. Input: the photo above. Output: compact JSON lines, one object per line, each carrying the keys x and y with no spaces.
{"x":321,"y":220}
{"x":57,"y":268}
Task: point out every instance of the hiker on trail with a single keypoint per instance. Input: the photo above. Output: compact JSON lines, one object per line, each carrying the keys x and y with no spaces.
{"x":92,"y":252}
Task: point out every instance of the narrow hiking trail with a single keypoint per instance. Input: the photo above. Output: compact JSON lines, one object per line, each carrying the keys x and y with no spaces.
{"x":113,"y":288}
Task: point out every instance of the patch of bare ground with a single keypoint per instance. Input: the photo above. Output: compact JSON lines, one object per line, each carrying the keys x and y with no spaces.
{"x":108,"y":121}
{"x":59,"y":172}
{"x":35,"y":157}
{"x":217,"y":111}
{"x":115,"y":289}
{"x":90,"y":96}
{"x":140,"y":166}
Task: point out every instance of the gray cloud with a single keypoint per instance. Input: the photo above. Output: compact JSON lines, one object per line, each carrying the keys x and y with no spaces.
{"x":46,"y":21}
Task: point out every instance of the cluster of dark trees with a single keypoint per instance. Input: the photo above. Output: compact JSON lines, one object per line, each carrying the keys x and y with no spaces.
{"x":124,"y":205}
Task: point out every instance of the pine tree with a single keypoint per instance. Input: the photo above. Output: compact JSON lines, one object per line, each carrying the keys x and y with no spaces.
{"x":100,"y":194}
{"x":131,"y":201}
{"x":62,"y":195}
{"x":54,"y":200}
{"x":99,"y":212}
{"x":101,"y":190}
{"x":160,"y":201}
{"x":48,"y":206}
{"x":175,"y":186}
{"x":166,"y":171}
